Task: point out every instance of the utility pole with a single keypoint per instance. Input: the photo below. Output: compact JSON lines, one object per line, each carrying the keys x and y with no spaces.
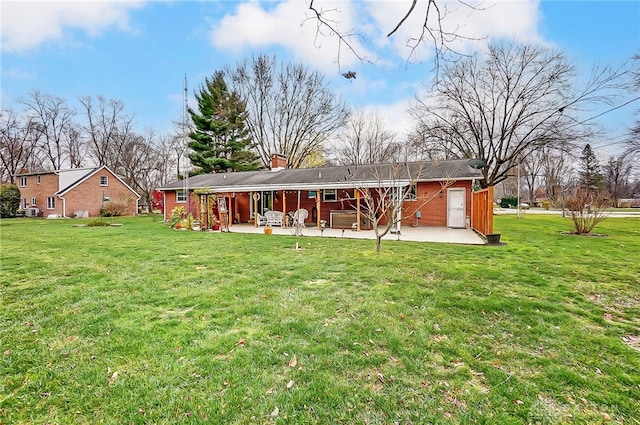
{"x":186,"y":142}
{"x":518,"y":191}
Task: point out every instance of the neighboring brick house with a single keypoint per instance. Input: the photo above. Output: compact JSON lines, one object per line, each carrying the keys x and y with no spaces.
{"x":330,"y":193}
{"x":78,"y":192}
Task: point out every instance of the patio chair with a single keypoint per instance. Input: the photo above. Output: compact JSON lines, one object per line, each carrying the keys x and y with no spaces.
{"x":300,"y":216}
{"x":262,"y":220}
{"x":274,"y":218}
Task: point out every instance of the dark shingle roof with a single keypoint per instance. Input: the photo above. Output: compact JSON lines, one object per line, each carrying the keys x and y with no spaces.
{"x":346,"y":176}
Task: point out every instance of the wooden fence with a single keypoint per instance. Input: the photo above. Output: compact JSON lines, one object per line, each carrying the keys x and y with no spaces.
{"x":482,"y":211}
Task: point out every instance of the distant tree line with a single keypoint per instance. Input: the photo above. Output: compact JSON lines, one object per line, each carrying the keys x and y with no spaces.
{"x":48,"y":134}
{"x":515,"y":106}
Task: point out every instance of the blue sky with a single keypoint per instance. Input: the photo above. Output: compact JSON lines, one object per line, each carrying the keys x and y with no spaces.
{"x":140,"y":51}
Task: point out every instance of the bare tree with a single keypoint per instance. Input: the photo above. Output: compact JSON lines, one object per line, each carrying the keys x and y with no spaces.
{"x":108,"y":129}
{"x":545,"y":165}
{"x":532,"y":167}
{"x":19,"y":138}
{"x":178,"y":145}
{"x":587,"y":209}
{"x":365,"y":140}
{"x":617,"y":173}
{"x":633,"y":143}
{"x":418,"y":148}
{"x":141,"y":165}
{"x":75,"y":144}
{"x":168,"y":168}
{"x":291,"y":109}
{"x":52,"y":116}
{"x":432,"y":30}
{"x":384,"y":189}
{"x":556,"y":173}
{"x":501,"y":107}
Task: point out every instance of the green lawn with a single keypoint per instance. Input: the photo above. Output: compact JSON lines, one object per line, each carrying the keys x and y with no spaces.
{"x":141,"y":324}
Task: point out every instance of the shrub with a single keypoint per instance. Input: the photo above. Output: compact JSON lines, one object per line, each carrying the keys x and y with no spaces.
{"x":587,"y":209}
{"x":509,"y":202}
{"x":176,"y":215}
{"x":118,"y":206}
{"x":546,"y":205}
{"x":97,"y":223}
{"x":9,"y":200}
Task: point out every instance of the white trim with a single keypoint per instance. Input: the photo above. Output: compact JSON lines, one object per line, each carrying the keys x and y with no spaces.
{"x":324,"y":193}
{"x":164,"y":205}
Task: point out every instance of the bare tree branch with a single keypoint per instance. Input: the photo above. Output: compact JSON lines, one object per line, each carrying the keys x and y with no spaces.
{"x":501,"y":108}
{"x":291,"y":109}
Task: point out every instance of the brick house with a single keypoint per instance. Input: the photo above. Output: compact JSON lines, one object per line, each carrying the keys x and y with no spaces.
{"x":331,"y":194}
{"x":77,"y":192}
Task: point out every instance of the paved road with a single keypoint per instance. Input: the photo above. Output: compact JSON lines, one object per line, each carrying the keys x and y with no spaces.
{"x":504,"y":211}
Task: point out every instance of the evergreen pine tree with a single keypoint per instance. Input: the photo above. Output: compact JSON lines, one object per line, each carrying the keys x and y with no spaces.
{"x":221,"y":139}
{"x":591,"y":177}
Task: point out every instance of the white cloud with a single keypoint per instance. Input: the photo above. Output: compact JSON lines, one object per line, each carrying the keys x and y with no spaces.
{"x":27,"y":24}
{"x":261,"y":25}
{"x":253,"y":26}
{"x":475,"y":21}
{"x":395,"y":114}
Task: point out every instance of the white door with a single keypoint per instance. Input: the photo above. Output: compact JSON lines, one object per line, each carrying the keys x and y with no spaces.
{"x":456,"y":208}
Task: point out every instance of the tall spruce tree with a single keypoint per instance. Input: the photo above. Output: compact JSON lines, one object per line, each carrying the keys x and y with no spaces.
{"x":591,"y":177}
{"x":221,"y":139}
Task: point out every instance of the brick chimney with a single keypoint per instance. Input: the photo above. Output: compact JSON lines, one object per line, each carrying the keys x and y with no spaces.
{"x":278,"y":162}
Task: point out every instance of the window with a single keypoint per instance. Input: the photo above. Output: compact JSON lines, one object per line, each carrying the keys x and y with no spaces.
{"x":104,"y":181}
{"x":51,"y":203}
{"x":37,"y":179}
{"x":33,"y":201}
{"x":329,"y":195}
{"x":181,"y":196}
{"x":412,"y":194}
{"x":23,"y":202}
{"x":23,"y":182}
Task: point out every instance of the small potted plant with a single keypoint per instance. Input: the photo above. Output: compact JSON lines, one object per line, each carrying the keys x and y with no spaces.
{"x":268,"y":230}
{"x":215,"y":223}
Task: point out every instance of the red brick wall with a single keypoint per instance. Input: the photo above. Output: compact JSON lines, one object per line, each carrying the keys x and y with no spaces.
{"x":89,"y":195}
{"x":47,"y":187}
{"x":85,"y":197}
{"x":434,"y":212}
{"x":170,"y":203}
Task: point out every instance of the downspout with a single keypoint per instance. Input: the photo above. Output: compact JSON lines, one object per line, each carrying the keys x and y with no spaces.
{"x":473,"y":184}
{"x":64,"y":207}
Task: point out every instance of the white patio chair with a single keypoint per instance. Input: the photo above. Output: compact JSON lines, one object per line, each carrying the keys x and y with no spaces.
{"x":274,"y":218}
{"x":300,"y":216}
{"x":262,"y":220}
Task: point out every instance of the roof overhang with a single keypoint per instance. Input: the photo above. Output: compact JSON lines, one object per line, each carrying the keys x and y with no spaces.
{"x":308,"y":186}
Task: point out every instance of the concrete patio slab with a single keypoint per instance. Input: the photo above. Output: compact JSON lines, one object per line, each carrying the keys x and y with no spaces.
{"x":416,"y":234}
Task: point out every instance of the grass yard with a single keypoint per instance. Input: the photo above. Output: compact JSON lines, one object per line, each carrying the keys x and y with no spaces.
{"x":141,"y":324}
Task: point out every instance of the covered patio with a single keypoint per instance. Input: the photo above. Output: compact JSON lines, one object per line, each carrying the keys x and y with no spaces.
{"x":415,"y":234}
